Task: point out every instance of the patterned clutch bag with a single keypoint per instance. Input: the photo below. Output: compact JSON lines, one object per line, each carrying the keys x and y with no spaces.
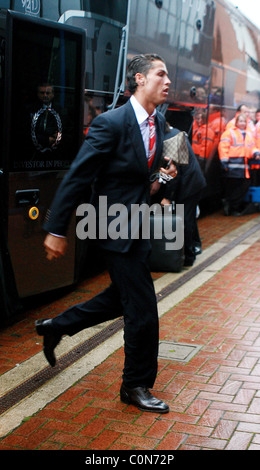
{"x":176,"y":149}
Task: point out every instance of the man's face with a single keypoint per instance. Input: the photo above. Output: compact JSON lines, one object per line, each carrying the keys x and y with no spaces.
{"x":200,"y":118}
{"x":45,"y":94}
{"x":245,"y":110}
{"x":155,"y":85}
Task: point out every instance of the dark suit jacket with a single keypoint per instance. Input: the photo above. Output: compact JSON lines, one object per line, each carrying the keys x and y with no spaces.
{"x":113,"y":160}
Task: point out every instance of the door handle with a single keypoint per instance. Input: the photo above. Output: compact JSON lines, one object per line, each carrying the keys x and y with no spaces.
{"x":27,"y":197}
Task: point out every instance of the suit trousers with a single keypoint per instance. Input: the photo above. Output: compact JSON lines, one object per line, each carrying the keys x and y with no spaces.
{"x":131,"y":295}
{"x":191,"y":234}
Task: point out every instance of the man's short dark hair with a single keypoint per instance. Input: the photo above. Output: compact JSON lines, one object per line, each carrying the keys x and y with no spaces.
{"x":239,"y":108}
{"x":139,"y":64}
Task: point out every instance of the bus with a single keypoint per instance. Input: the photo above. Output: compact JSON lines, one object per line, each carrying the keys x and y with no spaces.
{"x":73,"y":55}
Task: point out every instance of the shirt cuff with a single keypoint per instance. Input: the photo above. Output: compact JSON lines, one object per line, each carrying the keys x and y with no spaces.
{"x":55,"y":235}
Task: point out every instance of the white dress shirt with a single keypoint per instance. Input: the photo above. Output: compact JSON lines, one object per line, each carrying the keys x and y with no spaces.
{"x":142,"y":119}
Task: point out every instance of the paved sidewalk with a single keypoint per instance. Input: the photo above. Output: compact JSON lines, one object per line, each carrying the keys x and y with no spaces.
{"x":214,"y":397}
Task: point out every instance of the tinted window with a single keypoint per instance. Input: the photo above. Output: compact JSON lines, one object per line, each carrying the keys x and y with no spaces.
{"x":102,"y":48}
{"x":45,"y":91}
{"x":114,"y":9}
{"x":50,"y":10}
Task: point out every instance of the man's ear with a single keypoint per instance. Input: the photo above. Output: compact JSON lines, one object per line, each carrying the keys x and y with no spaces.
{"x":139,"y":78}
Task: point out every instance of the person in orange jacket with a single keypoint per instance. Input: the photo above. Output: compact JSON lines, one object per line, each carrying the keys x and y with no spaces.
{"x":203,"y":138}
{"x":217,"y":123}
{"x":255,"y":166}
{"x":242,"y":108}
{"x":257,"y":134}
{"x":236,"y":147}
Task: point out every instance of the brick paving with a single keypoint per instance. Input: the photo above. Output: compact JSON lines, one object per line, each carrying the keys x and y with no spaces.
{"x":214,"y":398}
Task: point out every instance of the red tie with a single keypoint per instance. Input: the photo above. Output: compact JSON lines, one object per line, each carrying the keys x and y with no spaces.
{"x":151,"y":141}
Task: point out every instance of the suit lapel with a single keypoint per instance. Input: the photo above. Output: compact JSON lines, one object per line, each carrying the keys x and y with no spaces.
{"x":136,"y":137}
{"x":159,"y":143}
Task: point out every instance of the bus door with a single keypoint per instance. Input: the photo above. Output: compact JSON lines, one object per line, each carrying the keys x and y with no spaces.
{"x":43,"y":129}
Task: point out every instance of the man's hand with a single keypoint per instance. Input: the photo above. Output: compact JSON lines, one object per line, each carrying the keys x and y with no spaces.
{"x":165,"y":202}
{"x":171,"y":169}
{"x":55,"y":247}
{"x":155,"y":186}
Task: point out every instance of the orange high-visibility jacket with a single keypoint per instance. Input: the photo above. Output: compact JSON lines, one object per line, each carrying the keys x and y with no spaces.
{"x":257,"y":135}
{"x":218,"y":124}
{"x":232,"y":124}
{"x":202,"y":141}
{"x":235,"y":151}
{"x":256,"y":164}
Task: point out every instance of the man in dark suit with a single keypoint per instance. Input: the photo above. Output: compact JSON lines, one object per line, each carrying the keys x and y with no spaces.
{"x":114,"y":158}
{"x":186,"y":189}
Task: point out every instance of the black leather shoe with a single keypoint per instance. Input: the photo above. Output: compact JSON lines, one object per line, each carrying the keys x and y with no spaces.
{"x":188,"y":262}
{"x":143,"y":399}
{"x":50,"y":339}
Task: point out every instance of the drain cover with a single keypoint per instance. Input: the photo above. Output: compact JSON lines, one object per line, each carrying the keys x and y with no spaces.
{"x":177,"y":351}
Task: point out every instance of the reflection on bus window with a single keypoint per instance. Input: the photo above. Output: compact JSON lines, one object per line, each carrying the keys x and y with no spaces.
{"x":44,"y":115}
{"x":203,"y":138}
{"x":49,"y":123}
{"x":93,"y":106}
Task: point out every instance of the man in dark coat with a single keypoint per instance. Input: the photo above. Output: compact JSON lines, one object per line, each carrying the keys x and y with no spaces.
{"x":186,"y":189}
{"x":114,"y":159}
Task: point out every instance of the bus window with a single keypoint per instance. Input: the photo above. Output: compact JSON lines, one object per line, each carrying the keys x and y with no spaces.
{"x":43,"y":111}
{"x":102,"y":48}
{"x":114,"y":9}
{"x":50,"y":10}
{"x":5,"y":4}
{"x":66,"y":5}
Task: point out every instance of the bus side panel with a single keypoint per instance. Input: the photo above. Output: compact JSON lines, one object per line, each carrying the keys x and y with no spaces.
{"x":33,"y":273}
